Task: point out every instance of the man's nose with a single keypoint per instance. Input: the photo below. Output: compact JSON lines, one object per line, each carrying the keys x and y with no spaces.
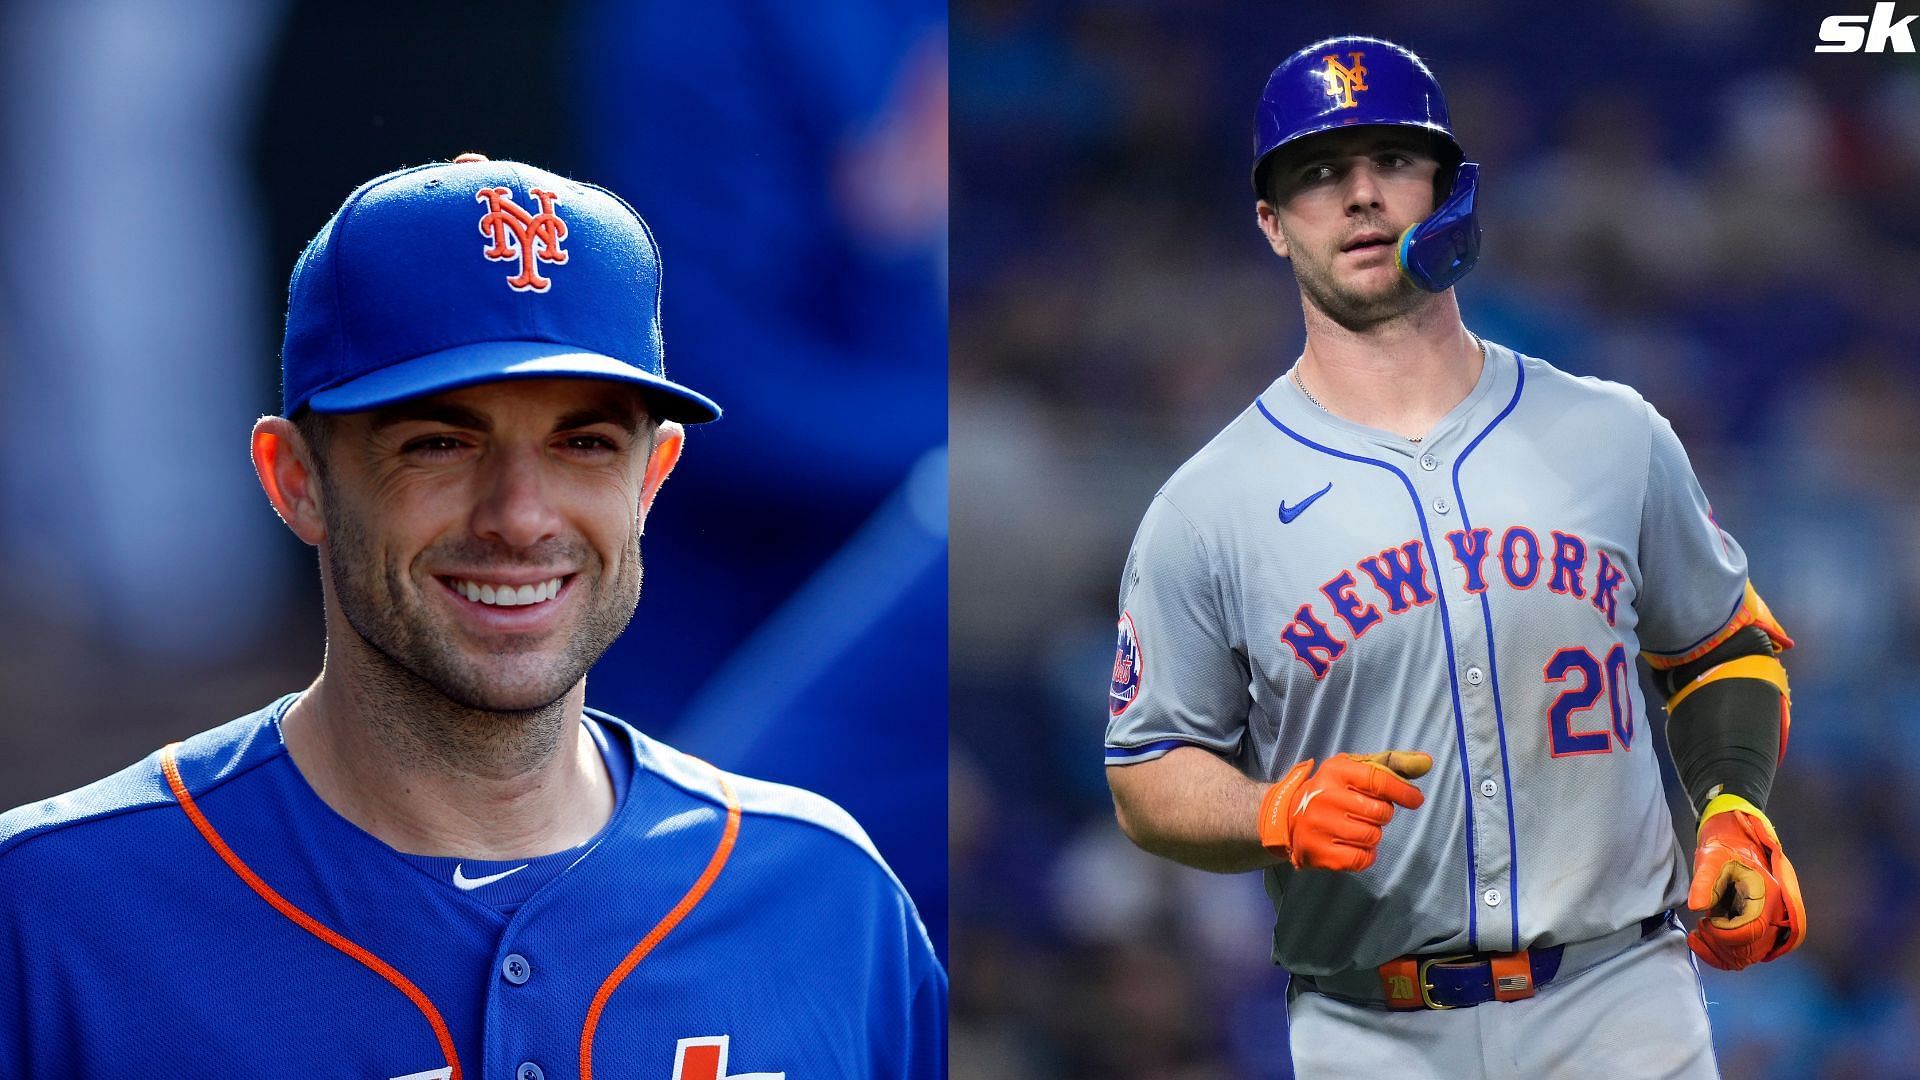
{"x":1362,"y":188}
{"x":514,"y":505}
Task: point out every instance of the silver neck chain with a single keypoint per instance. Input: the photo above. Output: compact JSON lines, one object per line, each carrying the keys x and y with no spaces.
{"x":1316,"y":401}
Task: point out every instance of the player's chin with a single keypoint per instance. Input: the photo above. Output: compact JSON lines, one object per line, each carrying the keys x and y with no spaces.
{"x":522,"y":686}
{"x":1372,"y":279}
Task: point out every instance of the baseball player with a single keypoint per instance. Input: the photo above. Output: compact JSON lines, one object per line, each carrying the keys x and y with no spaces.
{"x":1378,"y":638}
{"x":435,"y":862}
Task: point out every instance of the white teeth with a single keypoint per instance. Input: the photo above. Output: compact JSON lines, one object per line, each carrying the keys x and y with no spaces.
{"x":508,"y":595}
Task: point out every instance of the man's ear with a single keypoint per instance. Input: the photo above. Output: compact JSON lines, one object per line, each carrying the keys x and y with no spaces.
{"x":1269,"y":219}
{"x":284,"y":462}
{"x":668,"y":441}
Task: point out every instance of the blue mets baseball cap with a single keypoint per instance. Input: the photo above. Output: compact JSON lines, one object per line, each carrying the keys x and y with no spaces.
{"x":472,"y":271}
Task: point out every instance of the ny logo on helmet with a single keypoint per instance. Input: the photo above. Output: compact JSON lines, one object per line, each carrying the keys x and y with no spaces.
{"x":1342,"y":80}
{"x":515,"y":234}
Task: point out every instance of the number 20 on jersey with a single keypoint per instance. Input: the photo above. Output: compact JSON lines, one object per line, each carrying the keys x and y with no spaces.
{"x":1585,"y":679}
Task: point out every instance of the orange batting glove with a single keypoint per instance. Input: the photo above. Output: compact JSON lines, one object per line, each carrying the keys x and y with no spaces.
{"x":1747,"y":889}
{"x":1331,"y":819}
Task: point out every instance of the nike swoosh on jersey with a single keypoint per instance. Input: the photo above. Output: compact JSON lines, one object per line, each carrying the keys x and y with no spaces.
{"x":1287,"y":515}
{"x":468,"y":884}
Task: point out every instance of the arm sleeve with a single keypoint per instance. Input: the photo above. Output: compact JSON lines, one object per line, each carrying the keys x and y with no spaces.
{"x":1693,"y":574}
{"x":1179,"y":677}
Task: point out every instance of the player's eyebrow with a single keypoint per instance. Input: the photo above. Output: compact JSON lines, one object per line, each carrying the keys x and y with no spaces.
{"x":459,"y":416}
{"x":602,"y":413}
{"x":430,"y":412}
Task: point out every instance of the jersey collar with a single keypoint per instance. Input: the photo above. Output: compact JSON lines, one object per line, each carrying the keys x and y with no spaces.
{"x":1495,"y":385}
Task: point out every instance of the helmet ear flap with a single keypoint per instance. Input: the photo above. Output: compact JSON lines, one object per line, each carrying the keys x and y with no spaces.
{"x":1448,"y":154}
{"x":1439,"y":251}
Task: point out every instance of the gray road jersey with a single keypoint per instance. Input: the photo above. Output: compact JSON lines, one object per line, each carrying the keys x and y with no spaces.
{"x":1305,"y":586}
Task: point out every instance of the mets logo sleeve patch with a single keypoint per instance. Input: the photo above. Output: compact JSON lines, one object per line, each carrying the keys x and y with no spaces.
{"x":1126,"y":668}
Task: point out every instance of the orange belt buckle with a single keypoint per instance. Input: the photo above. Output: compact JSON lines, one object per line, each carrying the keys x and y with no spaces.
{"x":1512,"y":976}
{"x":1398,"y":978}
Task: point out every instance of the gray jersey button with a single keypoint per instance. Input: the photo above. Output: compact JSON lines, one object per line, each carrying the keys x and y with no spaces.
{"x":1489,"y":788}
{"x":1492,"y":898}
{"x":1475,"y":676}
{"x":1441,"y":506}
{"x":528,"y":1071}
{"x":1429,"y":462}
{"x":515,"y":969}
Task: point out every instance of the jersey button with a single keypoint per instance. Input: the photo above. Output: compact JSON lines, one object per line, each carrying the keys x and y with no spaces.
{"x":1441,"y":506}
{"x":515,"y":969}
{"x":528,"y":1071}
{"x":1475,"y":676}
{"x":1489,"y":788}
{"x":1492,"y":898}
{"x":1429,"y":462}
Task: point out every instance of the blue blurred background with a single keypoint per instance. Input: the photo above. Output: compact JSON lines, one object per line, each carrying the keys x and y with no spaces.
{"x":167,"y":162}
{"x":1679,"y":195}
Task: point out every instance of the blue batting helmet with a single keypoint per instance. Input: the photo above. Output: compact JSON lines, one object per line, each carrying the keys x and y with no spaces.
{"x":1362,"y":81}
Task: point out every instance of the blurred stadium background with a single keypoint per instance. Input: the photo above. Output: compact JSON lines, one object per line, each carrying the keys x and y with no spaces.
{"x":169,"y":159}
{"x":1679,"y":195}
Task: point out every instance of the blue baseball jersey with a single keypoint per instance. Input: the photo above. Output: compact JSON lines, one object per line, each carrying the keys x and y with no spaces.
{"x":204,"y":914}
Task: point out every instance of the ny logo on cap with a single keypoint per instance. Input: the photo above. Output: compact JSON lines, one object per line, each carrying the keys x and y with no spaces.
{"x":1342,"y":80}
{"x":513,"y":233}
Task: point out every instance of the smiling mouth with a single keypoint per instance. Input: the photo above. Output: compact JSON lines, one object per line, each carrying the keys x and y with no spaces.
{"x":498,"y":595}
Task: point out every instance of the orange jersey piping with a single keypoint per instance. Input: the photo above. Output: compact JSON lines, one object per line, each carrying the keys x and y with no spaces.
{"x":661,"y":929}
{"x":302,"y":919}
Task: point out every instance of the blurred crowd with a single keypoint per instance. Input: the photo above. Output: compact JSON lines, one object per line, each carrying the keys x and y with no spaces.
{"x":1680,"y":196}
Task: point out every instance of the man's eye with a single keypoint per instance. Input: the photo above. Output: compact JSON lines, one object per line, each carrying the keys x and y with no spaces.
{"x":434,"y":446}
{"x":1313,"y":174}
{"x":590,"y":442}
{"x":1397,"y":161}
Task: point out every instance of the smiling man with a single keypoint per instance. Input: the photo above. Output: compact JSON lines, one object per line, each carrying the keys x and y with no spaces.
{"x":1422,"y":556}
{"x":436,"y":861}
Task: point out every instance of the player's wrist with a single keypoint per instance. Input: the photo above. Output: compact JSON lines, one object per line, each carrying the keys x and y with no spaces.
{"x":1276,"y":809}
{"x":1727,"y":802}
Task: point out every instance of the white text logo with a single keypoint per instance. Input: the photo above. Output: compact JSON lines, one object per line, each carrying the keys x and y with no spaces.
{"x":1873,"y":33}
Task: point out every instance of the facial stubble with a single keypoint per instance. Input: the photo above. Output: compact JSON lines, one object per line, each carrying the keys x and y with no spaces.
{"x":427,"y":677}
{"x":1347,"y":307}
